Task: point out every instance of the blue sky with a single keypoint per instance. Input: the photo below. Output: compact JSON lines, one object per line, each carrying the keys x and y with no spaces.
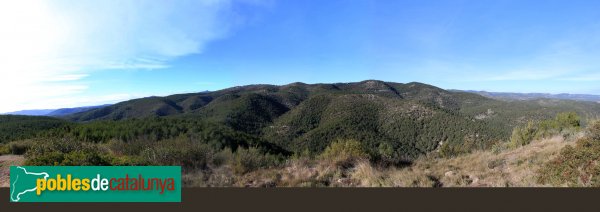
{"x":61,"y":53}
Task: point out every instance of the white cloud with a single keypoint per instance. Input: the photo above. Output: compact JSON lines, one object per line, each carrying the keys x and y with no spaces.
{"x":47,"y":47}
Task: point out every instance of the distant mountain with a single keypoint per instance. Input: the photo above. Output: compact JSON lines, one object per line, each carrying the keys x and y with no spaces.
{"x":69,"y":111}
{"x":413,"y":117}
{"x":55,"y":112}
{"x":41,"y":112}
{"x":533,"y":96}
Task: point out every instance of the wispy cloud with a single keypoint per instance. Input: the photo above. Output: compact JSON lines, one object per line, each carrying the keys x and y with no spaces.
{"x":585,"y":77}
{"x":47,"y":47}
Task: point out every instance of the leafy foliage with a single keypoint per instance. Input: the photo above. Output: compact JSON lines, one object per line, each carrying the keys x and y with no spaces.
{"x":344,"y":152}
{"x":576,"y":166}
{"x":563,"y":123}
{"x":246,"y":160}
{"x":67,"y":152}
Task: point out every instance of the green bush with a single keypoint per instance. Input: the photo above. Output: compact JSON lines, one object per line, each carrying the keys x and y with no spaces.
{"x":388,"y":156}
{"x":523,"y":135}
{"x":343,"y":152}
{"x":188,"y":153}
{"x":222,"y":157}
{"x":247,"y":160}
{"x":67,"y":152}
{"x":593,"y":131}
{"x":132,"y":147}
{"x":575,"y":166}
{"x":468,"y":144}
{"x":565,"y":124}
{"x":568,"y":120}
{"x":386,"y":152}
{"x":4,"y":150}
{"x":546,"y":128}
{"x":498,"y":147}
{"x":19,"y":147}
{"x":87,"y":157}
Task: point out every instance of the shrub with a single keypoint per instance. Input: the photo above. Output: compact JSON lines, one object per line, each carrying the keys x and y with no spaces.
{"x":565,"y":124}
{"x":86,"y":157}
{"x":68,"y":152}
{"x":47,"y":158}
{"x":467,"y":145}
{"x":129,"y":160}
{"x":19,"y":147}
{"x":131,"y":147}
{"x":4,"y":150}
{"x":387,"y":156}
{"x":498,"y":147}
{"x":247,"y":160}
{"x":180,"y":151}
{"x":344,"y":152}
{"x":523,"y":135}
{"x":575,"y":166}
{"x":386,"y":153}
{"x":568,"y":120}
{"x":594,"y":131}
{"x":222,"y":157}
{"x":546,"y":129}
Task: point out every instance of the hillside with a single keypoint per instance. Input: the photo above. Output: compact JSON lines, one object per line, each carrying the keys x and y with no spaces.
{"x":413,"y":118}
{"x":508,"y":168}
{"x":15,"y":127}
{"x":69,"y":111}
{"x":552,"y":161}
{"x":235,"y":136}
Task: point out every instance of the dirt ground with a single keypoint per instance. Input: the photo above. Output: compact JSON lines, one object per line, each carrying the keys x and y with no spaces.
{"x":5,"y":162}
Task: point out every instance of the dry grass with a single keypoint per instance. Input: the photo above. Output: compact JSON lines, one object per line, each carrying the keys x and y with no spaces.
{"x":502,"y":167}
{"x":508,"y":168}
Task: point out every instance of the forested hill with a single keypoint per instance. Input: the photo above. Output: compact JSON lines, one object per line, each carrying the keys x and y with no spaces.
{"x":236,"y":131}
{"x":413,"y":118}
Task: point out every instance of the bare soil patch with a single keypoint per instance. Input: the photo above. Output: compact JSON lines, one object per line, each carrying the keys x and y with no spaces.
{"x":5,"y":162}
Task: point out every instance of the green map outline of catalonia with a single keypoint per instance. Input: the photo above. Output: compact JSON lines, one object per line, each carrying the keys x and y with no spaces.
{"x":13,"y":187}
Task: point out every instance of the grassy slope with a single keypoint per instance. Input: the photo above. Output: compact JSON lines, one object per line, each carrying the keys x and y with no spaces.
{"x":508,"y":168}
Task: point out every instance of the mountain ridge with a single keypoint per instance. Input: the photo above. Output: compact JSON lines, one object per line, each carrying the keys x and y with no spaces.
{"x":55,"y":112}
{"x":533,"y":96}
{"x":415,"y":118}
